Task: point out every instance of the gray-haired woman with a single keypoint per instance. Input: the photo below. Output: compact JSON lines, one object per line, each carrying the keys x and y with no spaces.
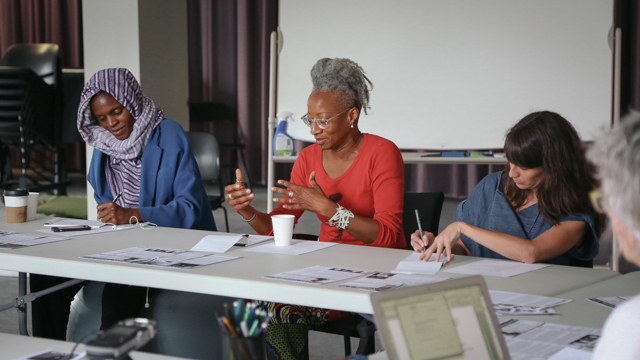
{"x":354,"y":182}
{"x":617,"y":156}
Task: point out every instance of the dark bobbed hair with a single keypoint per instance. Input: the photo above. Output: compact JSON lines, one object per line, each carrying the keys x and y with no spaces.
{"x":546,"y":139}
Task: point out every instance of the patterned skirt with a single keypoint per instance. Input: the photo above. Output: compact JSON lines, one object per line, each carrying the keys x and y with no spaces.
{"x":288,"y":332}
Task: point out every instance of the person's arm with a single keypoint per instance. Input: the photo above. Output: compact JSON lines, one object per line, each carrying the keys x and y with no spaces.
{"x":184,"y":210}
{"x":388,"y":198}
{"x":554,"y":242}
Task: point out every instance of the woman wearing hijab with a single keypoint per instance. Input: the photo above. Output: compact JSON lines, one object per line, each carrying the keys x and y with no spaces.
{"x":141,"y":155}
{"x":143,"y":170}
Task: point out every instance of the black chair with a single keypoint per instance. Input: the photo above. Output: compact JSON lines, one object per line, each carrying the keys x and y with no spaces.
{"x":351,"y":326}
{"x":207,"y":153}
{"x":221,"y":120}
{"x":429,"y":205}
{"x":30,"y":113}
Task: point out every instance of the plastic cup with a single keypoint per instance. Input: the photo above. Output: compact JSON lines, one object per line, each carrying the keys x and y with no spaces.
{"x":282,"y":229}
{"x":15,"y":202}
{"x":32,"y":205}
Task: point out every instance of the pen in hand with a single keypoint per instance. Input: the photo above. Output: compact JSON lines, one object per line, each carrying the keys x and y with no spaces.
{"x":120,"y":194}
{"x":424,"y":247}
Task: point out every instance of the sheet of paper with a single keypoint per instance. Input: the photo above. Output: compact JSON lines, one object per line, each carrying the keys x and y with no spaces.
{"x":172,"y":258}
{"x":48,"y":231}
{"x":52,"y":355}
{"x":31,"y":242}
{"x":509,"y":303}
{"x":298,"y":247}
{"x":527,"y":350}
{"x":216,"y":243}
{"x":319,"y":274}
{"x":249,"y":240}
{"x":61,"y":222}
{"x":380,"y":281}
{"x":498,"y":268}
{"x":610,"y":302}
{"x":14,"y":240}
{"x":522,"y":310}
{"x":411,"y":265}
{"x":572,"y":354}
{"x":565,"y":335}
{"x":511,"y":298}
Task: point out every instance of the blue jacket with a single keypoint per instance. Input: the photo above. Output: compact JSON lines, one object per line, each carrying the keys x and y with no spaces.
{"x":488,"y":208}
{"x":171,"y":190}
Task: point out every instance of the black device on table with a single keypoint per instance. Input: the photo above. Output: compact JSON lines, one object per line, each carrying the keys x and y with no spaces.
{"x":117,"y":341}
{"x":71,"y":228}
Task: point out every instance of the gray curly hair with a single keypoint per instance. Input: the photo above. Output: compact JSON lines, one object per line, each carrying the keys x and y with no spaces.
{"x":617,"y":157}
{"x":347,"y":77}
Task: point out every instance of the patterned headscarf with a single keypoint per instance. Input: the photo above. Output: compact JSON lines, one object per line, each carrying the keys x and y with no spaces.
{"x":124,"y":87}
{"x":123,"y":168}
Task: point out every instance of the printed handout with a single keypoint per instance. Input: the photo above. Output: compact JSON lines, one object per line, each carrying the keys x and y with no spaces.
{"x":319,"y":274}
{"x":380,"y":281}
{"x":509,"y":303}
{"x":575,"y":336}
{"x":171,"y":258}
{"x":14,"y":240}
{"x":610,"y":302}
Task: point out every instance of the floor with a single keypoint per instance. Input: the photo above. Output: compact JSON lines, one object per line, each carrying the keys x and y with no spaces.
{"x":322,"y":346}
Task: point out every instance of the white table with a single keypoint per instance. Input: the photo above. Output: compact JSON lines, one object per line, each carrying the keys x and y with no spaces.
{"x":15,"y":346}
{"x":242,"y":278}
{"x":582,"y":312}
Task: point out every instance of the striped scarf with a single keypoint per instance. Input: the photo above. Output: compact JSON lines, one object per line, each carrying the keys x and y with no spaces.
{"x":123,"y":165}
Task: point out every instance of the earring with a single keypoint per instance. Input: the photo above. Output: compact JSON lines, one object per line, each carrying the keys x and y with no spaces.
{"x":352,"y":126}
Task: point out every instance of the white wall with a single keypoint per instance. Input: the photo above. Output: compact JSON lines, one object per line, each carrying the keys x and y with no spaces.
{"x":164,"y":60}
{"x":453,"y":74}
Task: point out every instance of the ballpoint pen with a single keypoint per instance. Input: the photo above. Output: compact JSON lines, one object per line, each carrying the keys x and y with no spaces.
{"x":424,"y":247}
{"x":117,"y":197}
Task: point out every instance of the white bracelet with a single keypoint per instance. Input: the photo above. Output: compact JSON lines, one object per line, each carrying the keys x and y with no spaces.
{"x":253,"y":217}
{"x":341,"y":218}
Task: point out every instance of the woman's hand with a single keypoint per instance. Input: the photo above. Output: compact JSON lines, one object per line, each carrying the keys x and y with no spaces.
{"x":239,"y":197}
{"x":420,"y":245}
{"x":312,"y":198}
{"x":113,"y":213}
{"x":444,"y":242}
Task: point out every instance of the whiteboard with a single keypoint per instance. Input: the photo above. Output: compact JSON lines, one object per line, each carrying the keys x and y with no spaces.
{"x":454,"y":74}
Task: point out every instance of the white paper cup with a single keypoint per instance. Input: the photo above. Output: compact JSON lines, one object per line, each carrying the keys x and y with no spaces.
{"x":32,"y":205}
{"x":282,"y":229}
{"x":16,"y":205}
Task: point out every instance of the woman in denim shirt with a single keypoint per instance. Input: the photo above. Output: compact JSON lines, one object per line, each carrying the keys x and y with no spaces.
{"x":537,"y":210}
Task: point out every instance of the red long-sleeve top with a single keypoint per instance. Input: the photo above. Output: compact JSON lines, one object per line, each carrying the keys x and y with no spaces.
{"x":372,"y":187}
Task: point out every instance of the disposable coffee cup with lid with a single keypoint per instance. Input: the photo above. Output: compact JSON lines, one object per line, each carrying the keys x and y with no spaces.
{"x":15,"y":202}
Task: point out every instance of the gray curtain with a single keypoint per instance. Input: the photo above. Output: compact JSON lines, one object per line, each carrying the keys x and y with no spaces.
{"x":229,"y":64}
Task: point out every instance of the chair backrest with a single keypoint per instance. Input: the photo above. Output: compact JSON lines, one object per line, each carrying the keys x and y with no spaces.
{"x":207,"y":153}
{"x":429,"y":205}
{"x":41,"y":58}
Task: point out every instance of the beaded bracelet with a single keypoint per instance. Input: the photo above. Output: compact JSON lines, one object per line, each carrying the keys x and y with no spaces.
{"x":341,"y":218}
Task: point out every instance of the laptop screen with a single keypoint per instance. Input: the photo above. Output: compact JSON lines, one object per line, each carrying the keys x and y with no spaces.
{"x":452,"y":323}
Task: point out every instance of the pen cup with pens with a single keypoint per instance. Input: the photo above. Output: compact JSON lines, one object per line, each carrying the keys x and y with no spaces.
{"x":244,"y":331}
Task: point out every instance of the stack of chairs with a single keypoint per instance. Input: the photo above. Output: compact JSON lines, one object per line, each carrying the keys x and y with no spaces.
{"x":30,"y":115}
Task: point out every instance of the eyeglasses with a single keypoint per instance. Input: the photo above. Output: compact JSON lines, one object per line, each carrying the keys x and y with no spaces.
{"x":597,"y":200}
{"x":322,"y":123}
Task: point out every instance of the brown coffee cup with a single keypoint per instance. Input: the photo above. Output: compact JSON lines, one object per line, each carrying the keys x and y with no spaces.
{"x":15,"y":202}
